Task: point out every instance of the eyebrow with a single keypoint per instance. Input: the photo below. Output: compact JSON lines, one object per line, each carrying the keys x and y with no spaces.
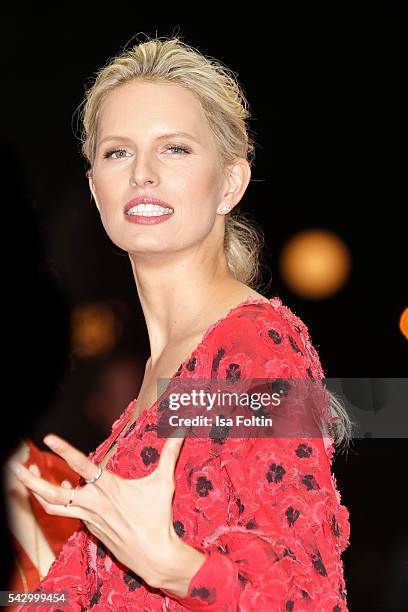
{"x":159,"y":137}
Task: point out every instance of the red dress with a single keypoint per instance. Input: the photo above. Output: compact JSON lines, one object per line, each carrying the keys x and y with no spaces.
{"x":265,"y":511}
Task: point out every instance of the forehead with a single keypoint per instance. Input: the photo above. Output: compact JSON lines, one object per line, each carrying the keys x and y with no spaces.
{"x":149,"y":108}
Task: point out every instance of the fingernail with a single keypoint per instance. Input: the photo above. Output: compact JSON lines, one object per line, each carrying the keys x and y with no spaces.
{"x":34,"y":470}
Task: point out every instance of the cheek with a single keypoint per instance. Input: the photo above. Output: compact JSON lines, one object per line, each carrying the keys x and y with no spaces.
{"x":112,"y":220}
{"x":200,"y":184}
{"x":200,"y":199}
{"x":110,"y":205}
{"x":105,"y":212}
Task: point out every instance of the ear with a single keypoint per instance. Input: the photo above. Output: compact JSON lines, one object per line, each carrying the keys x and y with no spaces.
{"x":92,"y":188}
{"x":238,"y":175}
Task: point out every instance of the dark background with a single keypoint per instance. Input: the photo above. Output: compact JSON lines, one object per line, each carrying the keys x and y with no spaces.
{"x":327,"y":92}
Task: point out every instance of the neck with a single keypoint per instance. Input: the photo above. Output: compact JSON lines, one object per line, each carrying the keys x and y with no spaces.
{"x":178,"y":295}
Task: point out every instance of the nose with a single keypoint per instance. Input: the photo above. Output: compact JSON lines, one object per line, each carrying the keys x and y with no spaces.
{"x":134,"y":182}
{"x":141,"y":175}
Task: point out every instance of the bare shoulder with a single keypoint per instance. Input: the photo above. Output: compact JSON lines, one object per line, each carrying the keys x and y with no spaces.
{"x":240,"y":292}
{"x":257,"y":296}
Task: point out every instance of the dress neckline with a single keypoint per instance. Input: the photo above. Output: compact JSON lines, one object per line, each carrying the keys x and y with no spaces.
{"x":147,"y":411}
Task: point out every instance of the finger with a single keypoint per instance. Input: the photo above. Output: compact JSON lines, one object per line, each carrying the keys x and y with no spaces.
{"x":74,"y":457}
{"x":71,"y":511}
{"x":52,"y":494}
{"x":169,"y":455}
{"x":34,"y":469}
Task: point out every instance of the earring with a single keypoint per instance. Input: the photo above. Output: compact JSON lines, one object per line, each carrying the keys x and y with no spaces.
{"x":226,"y":208}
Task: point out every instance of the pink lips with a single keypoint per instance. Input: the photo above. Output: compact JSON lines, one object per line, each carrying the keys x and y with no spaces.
{"x":143,"y":220}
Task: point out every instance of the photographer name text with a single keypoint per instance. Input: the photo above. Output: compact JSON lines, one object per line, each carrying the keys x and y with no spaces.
{"x":220,"y":421}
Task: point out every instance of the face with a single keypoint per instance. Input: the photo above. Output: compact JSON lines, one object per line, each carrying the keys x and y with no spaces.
{"x":186,"y":173}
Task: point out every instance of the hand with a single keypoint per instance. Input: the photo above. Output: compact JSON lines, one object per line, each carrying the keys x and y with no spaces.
{"x":119,"y":512}
{"x":20,"y":516}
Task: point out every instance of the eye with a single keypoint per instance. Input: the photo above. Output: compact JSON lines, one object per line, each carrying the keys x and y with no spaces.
{"x":108,"y":154}
{"x":180,"y":147}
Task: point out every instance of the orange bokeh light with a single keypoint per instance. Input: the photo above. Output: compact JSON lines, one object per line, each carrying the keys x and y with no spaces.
{"x":315,"y":263}
{"x":94,"y":330}
{"x":403,"y":323}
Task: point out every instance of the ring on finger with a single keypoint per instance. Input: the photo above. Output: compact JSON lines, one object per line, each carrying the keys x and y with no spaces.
{"x":95,"y":478}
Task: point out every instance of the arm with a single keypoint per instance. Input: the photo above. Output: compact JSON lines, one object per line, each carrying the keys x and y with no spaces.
{"x":183,"y":563}
{"x":281,"y":549}
{"x":285,"y":540}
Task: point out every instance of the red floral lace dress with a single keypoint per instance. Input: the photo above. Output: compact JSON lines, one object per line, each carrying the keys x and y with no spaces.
{"x":265,"y":511}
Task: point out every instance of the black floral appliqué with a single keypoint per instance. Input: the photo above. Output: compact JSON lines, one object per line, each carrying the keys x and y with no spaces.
{"x":240,"y":505}
{"x":132,"y":580}
{"x":164,"y":404}
{"x":275,"y":336}
{"x":318,"y":563}
{"x":291,"y":515}
{"x":310,"y":374}
{"x":218,"y":433}
{"x":179,"y":528}
{"x":101,"y":550}
{"x":310,"y":482}
{"x":203,"y":486}
{"x":289,"y":553}
{"x":279,"y":385}
{"x":233,"y":372}
{"x":97,"y":595}
{"x":294,"y":345}
{"x":217,"y":359}
{"x":191,"y":364}
{"x":335,"y":526}
{"x":202,"y":593}
{"x":149,"y":455}
{"x":275,"y":473}
{"x":304,"y":450}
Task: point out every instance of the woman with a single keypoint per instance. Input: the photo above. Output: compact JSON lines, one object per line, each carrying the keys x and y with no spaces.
{"x":199,"y":523}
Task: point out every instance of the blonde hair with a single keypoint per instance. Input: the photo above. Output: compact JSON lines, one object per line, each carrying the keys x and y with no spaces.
{"x":172,"y":61}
